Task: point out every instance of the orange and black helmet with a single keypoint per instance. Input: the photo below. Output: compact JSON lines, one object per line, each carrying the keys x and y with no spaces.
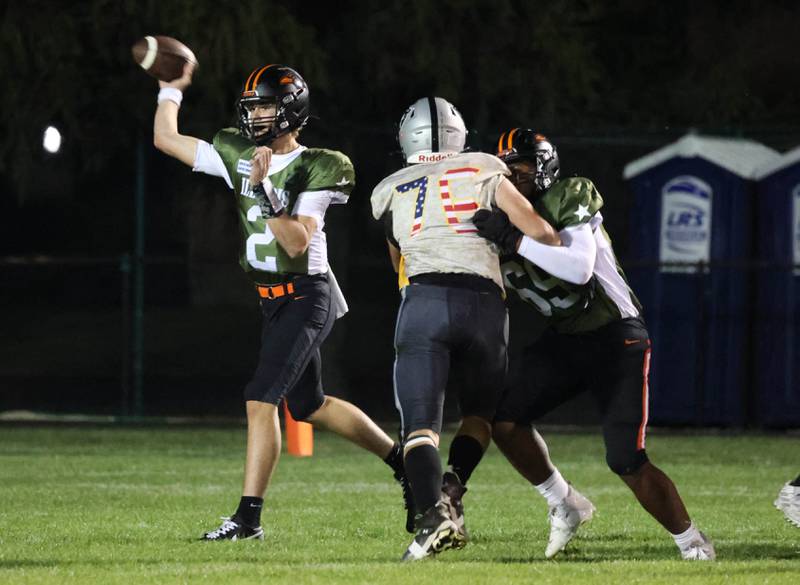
{"x":273,"y":84}
{"x":524,"y":144}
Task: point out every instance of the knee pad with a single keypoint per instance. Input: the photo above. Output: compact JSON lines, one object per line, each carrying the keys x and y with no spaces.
{"x":301,"y":408}
{"x":626,"y":462}
{"x":418,"y":425}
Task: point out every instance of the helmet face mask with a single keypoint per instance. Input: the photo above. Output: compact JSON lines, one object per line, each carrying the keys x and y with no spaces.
{"x":258,"y":116}
{"x":277,"y":88}
{"x":431,"y":130}
{"x":531,"y":158}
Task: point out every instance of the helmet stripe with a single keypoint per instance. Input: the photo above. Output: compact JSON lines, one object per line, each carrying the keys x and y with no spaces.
{"x":511,"y":138}
{"x":247,"y":83}
{"x":500,"y":143}
{"x":434,"y":124}
{"x":258,"y":75}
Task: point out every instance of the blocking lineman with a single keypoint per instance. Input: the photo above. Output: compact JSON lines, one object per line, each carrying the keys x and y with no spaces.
{"x":596,"y":341}
{"x":452,"y":313}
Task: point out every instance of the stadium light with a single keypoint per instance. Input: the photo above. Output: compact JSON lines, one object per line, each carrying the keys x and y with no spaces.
{"x":52,"y":140}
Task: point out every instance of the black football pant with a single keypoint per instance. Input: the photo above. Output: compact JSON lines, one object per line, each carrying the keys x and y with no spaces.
{"x":289,"y":364}
{"x":461,"y":325}
{"x":612,"y":363}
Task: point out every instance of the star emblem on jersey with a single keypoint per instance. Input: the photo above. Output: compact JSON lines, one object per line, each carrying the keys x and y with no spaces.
{"x":343,"y":182}
{"x":583,"y":211}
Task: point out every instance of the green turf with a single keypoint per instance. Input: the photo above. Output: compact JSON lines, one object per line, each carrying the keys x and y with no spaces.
{"x":89,"y":505}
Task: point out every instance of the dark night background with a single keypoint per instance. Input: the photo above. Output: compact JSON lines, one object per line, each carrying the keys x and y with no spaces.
{"x":607,"y":81}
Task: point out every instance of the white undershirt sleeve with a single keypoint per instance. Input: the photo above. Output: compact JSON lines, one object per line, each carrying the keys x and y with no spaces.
{"x":313,"y":204}
{"x":207,"y":160}
{"x":573,"y":261}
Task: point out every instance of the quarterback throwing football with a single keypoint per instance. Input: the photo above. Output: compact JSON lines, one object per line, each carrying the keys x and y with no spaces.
{"x":282,"y":191}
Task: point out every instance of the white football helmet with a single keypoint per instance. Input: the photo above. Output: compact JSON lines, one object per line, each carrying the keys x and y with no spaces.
{"x":431,"y":130}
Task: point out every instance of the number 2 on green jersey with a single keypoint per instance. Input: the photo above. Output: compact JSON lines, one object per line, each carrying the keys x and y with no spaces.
{"x":268,"y":263}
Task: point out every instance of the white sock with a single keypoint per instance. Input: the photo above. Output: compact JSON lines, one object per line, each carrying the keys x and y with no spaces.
{"x":685,"y":538}
{"x":554,"y":489}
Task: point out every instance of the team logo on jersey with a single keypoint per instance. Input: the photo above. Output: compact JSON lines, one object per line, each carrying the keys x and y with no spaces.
{"x":685,"y":222}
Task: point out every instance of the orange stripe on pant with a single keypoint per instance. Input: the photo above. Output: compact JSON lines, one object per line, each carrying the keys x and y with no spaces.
{"x":640,"y":439}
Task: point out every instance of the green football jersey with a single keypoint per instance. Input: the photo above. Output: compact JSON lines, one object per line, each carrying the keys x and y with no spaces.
{"x":568,"y":307}
{"x":313,"y":170}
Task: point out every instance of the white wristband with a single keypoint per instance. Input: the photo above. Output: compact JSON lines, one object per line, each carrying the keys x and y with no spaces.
{"x":172,"y":94}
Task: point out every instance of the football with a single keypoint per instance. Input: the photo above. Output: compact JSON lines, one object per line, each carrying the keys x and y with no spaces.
{"x":162,"y":57}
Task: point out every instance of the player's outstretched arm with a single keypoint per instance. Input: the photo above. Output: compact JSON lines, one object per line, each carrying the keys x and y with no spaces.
{"x":523,"y":215}
{"x":166,"y":137}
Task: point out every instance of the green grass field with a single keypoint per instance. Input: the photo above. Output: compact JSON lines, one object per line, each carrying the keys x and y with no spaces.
{"x":104,"y":505}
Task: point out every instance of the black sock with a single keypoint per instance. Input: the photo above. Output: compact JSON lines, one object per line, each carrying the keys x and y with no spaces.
{"x":424,"y":471}
{"x":796,"y":482}
{"x":249,"y":511}
{"x":465,"y":454}
{"x":395,"y":458}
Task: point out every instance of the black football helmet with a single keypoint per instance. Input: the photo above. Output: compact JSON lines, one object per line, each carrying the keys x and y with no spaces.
{"x":276,"y":85}
{"x":523,"y":144}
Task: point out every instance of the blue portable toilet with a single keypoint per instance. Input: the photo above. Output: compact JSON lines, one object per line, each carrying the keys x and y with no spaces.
{"x":777,"y":325}
{"x":692,"y":234}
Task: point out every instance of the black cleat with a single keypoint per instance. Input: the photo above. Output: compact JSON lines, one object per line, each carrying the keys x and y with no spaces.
{"x":452,"y":492}
{"x":436,"y":532}
{"x":232,"y":530}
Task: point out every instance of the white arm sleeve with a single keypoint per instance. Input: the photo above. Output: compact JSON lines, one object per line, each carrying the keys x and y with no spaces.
{"x":207,"y":160}
{"x":314,"y":204}
{"x":573,"y":261}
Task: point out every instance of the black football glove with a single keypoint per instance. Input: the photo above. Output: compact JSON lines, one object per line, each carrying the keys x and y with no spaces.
{"x":496,"y":227}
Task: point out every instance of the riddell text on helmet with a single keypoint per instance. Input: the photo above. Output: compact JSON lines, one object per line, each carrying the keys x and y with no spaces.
{"x":434,"y":157}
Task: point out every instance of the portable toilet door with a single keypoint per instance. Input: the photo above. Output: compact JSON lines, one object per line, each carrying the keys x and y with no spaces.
{"x":692,"y":236}
{"x":777,"y":316}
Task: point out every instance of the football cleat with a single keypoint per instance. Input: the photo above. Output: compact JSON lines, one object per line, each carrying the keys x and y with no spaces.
{"x":701,"y":549}
{"x":232,"y":530}
{"x":436,"y":532}
{"x":408,"y":499}
{"x":565,"y":518}
{"x":452,"y":492}
{"x":788,"y":502}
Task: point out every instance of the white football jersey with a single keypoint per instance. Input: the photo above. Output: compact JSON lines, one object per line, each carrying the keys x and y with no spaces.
{"x":431,"y":206}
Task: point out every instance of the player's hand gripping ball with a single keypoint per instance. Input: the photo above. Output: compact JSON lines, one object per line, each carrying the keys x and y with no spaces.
{"x":162,"y":57}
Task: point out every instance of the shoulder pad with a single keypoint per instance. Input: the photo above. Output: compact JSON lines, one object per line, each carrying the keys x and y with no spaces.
{"x":489,"y":165}
{"x":329,"y":170}
{"x":381,"y":197}
{"x":231,"y":138}
{"x":578,"y":201}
